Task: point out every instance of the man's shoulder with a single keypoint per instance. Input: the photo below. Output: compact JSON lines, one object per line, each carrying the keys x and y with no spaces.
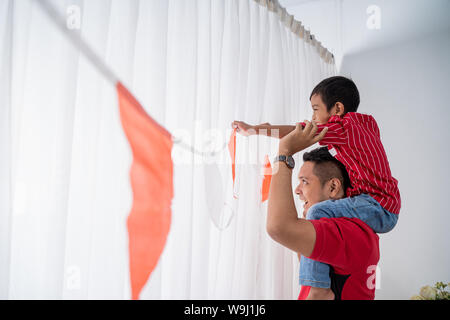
{"x":342,"y":241}
{"x":351,"y":248}
{"x":352,"y":226}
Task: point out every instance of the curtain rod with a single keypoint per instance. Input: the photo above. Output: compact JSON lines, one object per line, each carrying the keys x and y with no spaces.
{"x":297,"y":28}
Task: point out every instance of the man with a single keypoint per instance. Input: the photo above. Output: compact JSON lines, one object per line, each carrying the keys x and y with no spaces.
{"x":348,"y":245}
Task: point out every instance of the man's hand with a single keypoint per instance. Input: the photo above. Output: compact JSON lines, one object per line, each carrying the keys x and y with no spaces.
{"x":300,"y":138}
{"x":245,"y":129}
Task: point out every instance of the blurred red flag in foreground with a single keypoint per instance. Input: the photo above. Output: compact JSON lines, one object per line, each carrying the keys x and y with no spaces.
{"x":152,"y":185}
{"x":267,"y":177}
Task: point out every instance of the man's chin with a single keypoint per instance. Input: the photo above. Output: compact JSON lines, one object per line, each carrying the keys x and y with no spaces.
{"x":305,"y":210}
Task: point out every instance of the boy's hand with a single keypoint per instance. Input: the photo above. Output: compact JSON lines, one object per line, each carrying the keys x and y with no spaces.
{"x":246,"y":129}
{"x":300,"y":138}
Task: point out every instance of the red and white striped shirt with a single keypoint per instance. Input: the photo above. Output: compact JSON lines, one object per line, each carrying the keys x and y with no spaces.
{"x":356,"y":139}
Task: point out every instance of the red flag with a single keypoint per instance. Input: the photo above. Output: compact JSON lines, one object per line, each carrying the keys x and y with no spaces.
{"x":151,"y":178}
{"x":267,"y":177}
{"x":232,"y":149}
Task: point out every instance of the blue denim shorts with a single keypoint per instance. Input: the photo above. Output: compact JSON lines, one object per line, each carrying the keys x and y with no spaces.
{"x":363,"y":207}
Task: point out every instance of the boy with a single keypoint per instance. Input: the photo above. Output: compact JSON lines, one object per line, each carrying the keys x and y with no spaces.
{"x":354,"y":139}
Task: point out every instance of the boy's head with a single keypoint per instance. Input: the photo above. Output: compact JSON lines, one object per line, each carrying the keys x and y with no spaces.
{"x":333,"y":96}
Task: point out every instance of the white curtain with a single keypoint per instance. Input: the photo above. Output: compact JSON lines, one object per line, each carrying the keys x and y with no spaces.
{"x":64,"y":161}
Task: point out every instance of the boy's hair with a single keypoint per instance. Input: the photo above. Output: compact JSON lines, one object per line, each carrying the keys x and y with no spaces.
{"x":326,"y":167}
{"x":338,"y":89}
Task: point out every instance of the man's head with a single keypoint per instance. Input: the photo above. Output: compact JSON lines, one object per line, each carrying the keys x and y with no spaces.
{"x":333,"y":96}
{"x":321,"y":177}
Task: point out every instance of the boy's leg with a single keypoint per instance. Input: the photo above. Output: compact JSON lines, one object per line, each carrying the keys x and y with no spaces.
{"x":314,"y":273}
{"x":363,"y":207}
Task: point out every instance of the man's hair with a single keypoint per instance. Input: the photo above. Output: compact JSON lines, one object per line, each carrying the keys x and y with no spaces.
{"x":326,"y":167}
{"x":338,"y":89}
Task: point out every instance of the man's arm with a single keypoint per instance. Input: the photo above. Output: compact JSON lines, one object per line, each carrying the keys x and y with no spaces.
{"x":283,"y":225}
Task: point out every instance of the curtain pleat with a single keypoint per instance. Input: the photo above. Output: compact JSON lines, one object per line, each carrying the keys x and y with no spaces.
{"x":6,"y":9}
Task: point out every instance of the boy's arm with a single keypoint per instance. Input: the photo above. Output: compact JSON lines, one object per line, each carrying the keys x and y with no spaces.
{"x":278,"y":131}
{"x":266,"y":129}
{"x":336,"y":135}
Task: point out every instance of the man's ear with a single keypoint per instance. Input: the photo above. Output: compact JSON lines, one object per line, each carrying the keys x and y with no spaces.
{"x":335,"y":189}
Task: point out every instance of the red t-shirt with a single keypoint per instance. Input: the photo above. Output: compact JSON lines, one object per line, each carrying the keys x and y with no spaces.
{"x":351,"y":248}
{"x":356,"y":139}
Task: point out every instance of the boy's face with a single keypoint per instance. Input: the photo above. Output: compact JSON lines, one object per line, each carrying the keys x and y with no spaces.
{"x":320,"y":113}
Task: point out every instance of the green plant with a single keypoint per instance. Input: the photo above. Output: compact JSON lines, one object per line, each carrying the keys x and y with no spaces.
{"x":438,"y":292}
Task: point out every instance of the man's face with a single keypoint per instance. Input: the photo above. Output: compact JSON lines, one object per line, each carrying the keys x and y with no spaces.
{"x":320,"y":113}
{"x":310,"y":189}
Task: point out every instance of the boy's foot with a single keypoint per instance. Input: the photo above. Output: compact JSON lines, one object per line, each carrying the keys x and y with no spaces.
{"x":320,"y":294}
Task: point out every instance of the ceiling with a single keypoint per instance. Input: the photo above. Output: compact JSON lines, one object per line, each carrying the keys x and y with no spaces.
{"x":341,"y":25}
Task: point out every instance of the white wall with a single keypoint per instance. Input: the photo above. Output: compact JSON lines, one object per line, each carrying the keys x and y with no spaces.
{"x":341,"y":25}
{"x":406,"y":88}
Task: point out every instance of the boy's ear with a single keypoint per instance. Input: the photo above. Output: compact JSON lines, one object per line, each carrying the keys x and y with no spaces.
{"x":339,"y":109}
